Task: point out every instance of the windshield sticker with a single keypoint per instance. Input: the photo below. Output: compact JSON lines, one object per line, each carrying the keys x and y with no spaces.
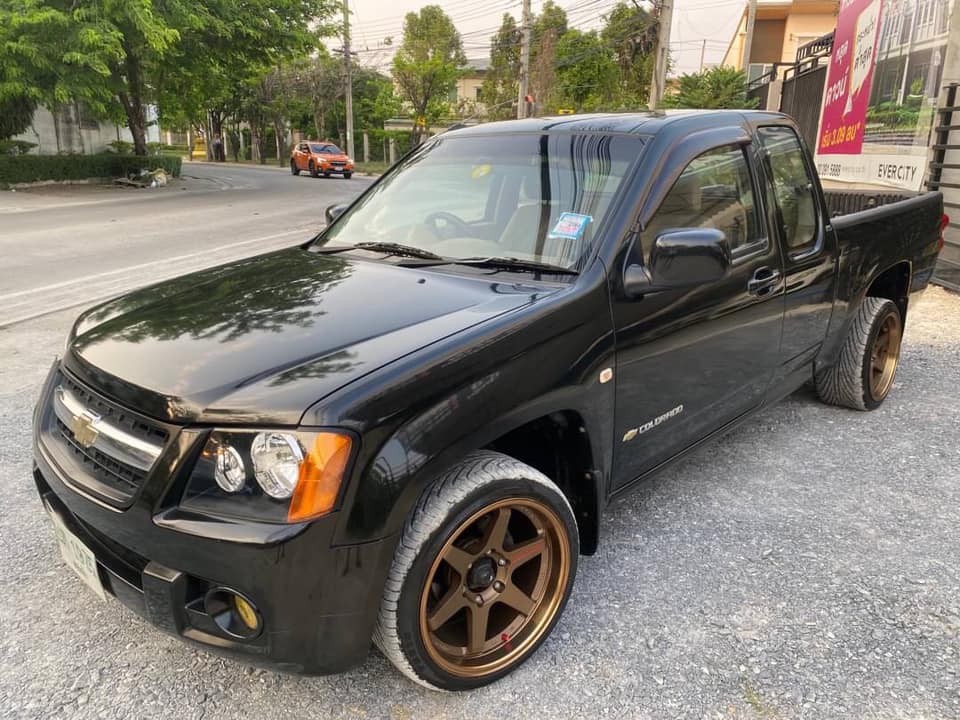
{"x":480,"y":171}
{"x":570,"y":226}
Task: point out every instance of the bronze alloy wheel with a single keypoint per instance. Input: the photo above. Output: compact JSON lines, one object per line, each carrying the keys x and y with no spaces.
{"x":884,"y":356}
{"x":494,"y":587}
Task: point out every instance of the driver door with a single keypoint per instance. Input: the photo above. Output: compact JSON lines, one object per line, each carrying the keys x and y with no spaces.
{"x":691,"y":360}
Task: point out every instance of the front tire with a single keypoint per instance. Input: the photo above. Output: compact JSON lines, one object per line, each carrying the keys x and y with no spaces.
{"x":347,"y":175}
{"x":864,"y":372}
{"x":482,"y":573}
{"x":313,"y":169}
{"x":294,"y":170}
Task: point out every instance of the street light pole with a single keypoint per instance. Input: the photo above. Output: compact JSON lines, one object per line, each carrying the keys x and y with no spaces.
{"x":349,"y":77}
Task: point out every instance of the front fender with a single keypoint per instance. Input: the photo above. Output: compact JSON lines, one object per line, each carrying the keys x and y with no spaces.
{"x":463,"y":394}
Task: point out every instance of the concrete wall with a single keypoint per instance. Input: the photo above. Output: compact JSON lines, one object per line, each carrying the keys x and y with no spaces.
{"x":65,"y":133}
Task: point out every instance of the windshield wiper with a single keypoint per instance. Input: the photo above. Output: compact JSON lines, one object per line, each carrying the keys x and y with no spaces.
{"x":511,"y":263}
{"x":387,"y":247}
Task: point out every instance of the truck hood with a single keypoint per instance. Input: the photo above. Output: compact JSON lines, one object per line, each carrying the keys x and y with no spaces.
{"x":262,"y":339}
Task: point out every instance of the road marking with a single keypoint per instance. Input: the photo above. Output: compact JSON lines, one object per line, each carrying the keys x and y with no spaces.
{"x":32,"y":304}
{"x":152,"y":263}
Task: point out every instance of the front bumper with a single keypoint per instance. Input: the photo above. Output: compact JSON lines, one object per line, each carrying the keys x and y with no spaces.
{"x":317,"y":602}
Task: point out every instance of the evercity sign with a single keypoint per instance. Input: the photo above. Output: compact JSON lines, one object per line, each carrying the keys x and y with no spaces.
{"x":881,"y":91}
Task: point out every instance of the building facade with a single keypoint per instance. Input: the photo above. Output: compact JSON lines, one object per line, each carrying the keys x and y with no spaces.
{"x":779,"y":29}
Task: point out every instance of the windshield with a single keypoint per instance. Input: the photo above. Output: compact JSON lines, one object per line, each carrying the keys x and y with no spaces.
{"x":531,"y":197}
{"x":331,"y":149}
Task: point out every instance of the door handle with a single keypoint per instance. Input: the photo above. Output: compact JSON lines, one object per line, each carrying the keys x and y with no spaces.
{"x":763,"y":281}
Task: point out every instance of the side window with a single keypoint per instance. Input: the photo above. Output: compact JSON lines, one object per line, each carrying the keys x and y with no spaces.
{"x":792,"y":186}
{"x":713,"y":191}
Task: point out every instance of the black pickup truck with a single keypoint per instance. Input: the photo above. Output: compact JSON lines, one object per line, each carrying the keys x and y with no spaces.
{"x":407,"y":429}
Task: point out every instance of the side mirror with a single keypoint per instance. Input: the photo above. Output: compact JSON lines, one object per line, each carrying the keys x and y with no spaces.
{"x":679,"y":259}
{"x":335,"y":211}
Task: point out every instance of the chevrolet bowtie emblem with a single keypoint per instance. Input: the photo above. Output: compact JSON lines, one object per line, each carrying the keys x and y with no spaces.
{"x":84,"y":428}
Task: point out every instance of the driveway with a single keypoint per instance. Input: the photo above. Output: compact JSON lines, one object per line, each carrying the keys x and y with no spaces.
{"x":805,"y":566}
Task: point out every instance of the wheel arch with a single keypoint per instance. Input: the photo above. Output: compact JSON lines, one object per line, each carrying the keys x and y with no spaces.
{"x":892,"y":284}
{"x":558,"y":439}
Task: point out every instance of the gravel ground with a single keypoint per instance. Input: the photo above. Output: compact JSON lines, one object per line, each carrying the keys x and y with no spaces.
{"x":805,"y":566}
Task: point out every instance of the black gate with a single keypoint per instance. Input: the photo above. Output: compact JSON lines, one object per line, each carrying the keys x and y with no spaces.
{"x":800,"y":98}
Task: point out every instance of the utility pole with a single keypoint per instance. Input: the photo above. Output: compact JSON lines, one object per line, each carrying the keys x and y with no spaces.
{"x":662,"y":57}
{"x":703,"y":52}
{"x":523,"y":85}
{"x":349,"y":77}
{"x":748,"y":40}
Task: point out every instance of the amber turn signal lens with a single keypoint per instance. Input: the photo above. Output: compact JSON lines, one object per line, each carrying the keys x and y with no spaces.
{"x":321,"y":473}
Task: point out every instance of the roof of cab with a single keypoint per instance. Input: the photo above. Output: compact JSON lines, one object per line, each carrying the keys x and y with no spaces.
{"x":638,"y":123}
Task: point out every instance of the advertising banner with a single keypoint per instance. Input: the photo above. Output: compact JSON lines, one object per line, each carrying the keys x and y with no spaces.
{"x":881,"y":91}
{"x":848,"y":80}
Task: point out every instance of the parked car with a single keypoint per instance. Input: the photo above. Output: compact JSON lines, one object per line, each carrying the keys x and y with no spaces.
{"x":320,"y":158}
{"x":407,"y":428}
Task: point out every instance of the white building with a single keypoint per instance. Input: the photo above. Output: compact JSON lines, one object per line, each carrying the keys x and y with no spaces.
{"x":72,"y":130}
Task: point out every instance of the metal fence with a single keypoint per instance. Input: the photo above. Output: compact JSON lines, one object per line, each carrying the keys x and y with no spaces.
{"x":946,"y":143}
{"x":802,"y":92}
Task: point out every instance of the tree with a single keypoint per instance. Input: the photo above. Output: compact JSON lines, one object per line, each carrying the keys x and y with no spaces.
{"x":546,"y":30}
{"x":631,"y":33}
{"x":428,"y":63}
{"x":51,"y":53}
{"x":586,"y":70}
{"x":500,"y":84}
{"x":718,"y":87}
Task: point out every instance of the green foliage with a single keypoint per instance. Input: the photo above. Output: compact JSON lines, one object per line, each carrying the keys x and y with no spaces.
{"x":631,"y":33}
{"x":608,"y":69}
{"x":16,"y":114}
{"x":188,"y":56}
{"x":15,"y":147}
{"x":428,"y":61}
{"x":718,"y":87}
{"x":893,"y":116}
{"x":51,"y":52}
{"x":546,"y":30}
{"x":586,"y":70}
{"x":500,"y":83}
{"x":34,"y":168}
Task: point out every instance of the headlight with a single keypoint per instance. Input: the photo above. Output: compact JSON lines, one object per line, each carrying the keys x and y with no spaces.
{"x":271,"y":475}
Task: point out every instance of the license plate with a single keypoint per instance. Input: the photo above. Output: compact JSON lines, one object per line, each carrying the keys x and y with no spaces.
{"x":78,"y":556}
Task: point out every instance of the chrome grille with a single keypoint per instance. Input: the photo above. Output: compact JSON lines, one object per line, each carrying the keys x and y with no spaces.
{"x":111,"y":450}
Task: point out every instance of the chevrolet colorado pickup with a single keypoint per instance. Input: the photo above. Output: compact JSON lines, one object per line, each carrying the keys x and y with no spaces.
{"x":407,"y":428}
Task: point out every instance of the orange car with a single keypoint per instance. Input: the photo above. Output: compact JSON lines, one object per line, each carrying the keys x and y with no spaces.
{"x":320,"y":158}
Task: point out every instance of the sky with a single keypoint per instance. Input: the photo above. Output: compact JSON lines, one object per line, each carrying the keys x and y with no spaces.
{"x":693,"y":22}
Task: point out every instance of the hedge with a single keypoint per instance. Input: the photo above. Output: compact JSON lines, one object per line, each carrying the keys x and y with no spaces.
{"x":34,"y":168}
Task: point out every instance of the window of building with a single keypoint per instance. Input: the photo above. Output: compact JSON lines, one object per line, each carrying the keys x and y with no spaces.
{"x":85,"y":118}
{"x":714,"y":191}
{"x":757,"y":70}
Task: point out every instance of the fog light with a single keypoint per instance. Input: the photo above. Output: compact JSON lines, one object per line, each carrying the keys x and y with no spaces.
{"x":234,"y":614}
{"x":246,"y":612}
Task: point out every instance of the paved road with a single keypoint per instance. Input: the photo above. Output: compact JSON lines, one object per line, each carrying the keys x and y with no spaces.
{"x":805,"y":566}
{"x":66,"y":247}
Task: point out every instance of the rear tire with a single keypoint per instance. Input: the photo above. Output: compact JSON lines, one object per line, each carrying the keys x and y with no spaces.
{"x":347,"y":175}
{"x":459,"y":616}
{"x":294,"y":170}
{"x":313,"y":169}
{"x":865,"y":369}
